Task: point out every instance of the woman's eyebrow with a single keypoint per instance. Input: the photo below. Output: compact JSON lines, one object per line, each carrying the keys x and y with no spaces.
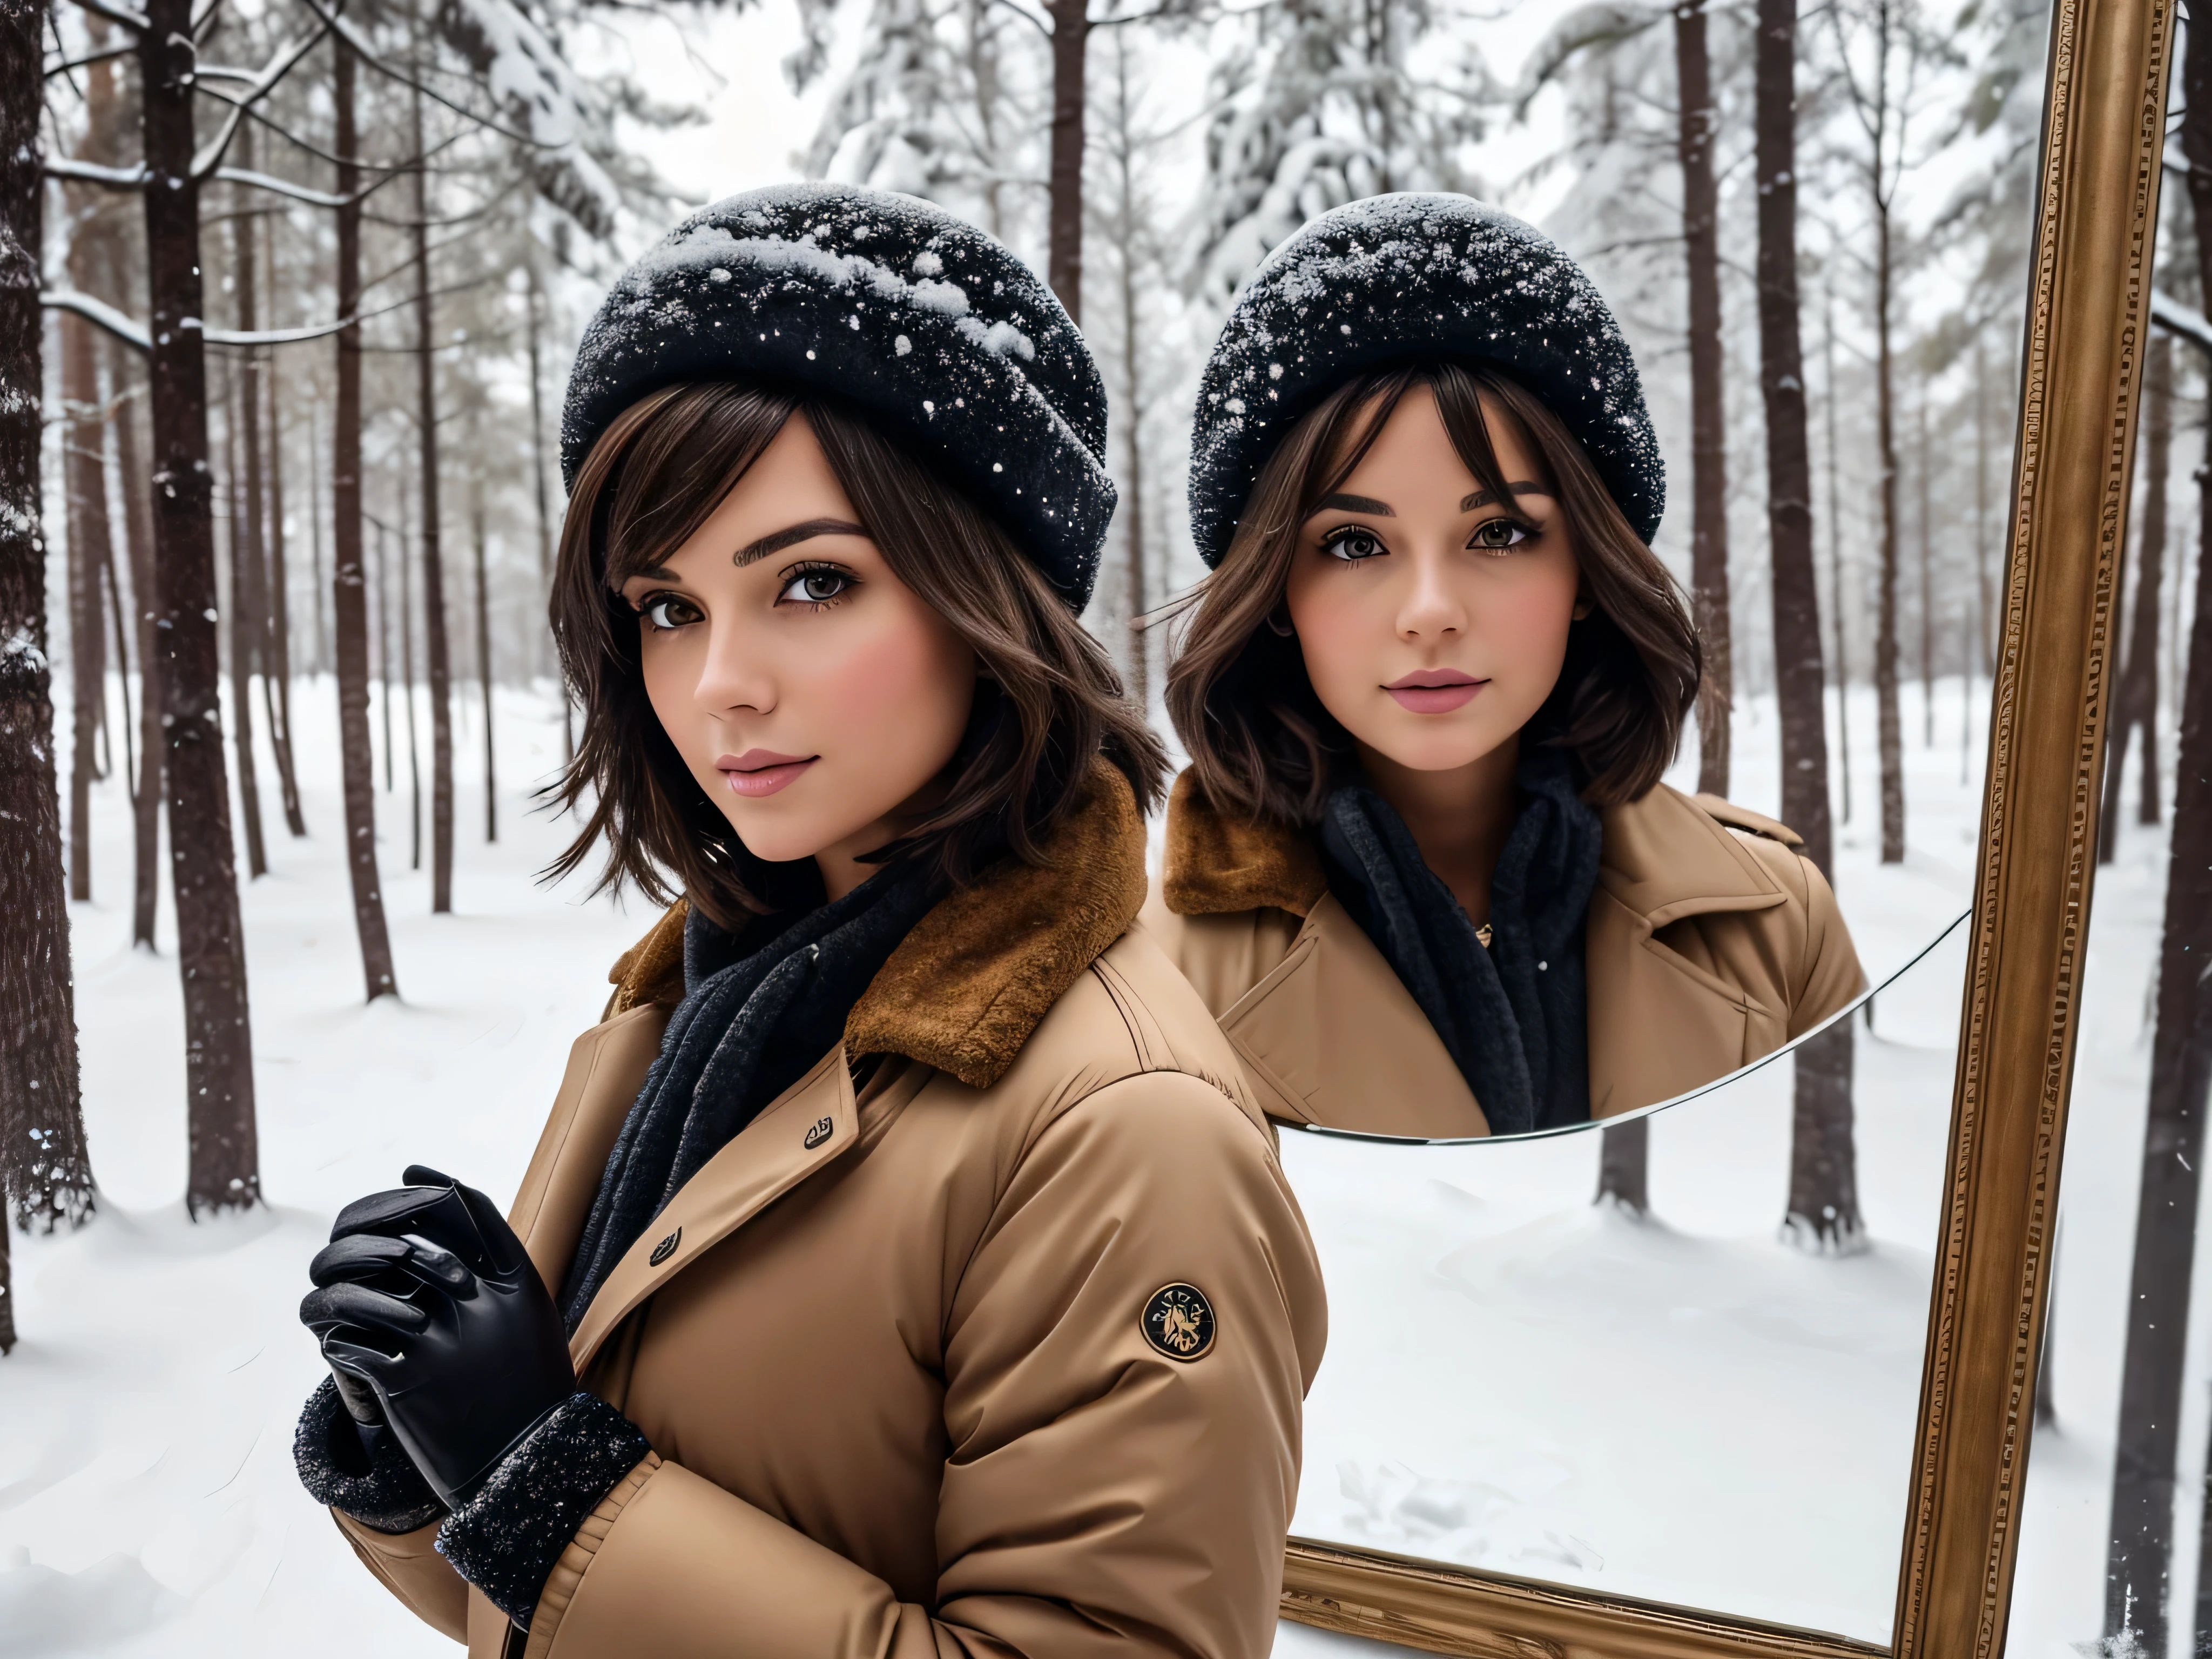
{"x":1354,"y":504}
{"x":1520,"y":487}
{"x":796,"y":533}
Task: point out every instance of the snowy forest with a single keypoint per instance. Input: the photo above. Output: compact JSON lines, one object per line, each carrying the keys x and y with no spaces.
{"x":299,"y":281}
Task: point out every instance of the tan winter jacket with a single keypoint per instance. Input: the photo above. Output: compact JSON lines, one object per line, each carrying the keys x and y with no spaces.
{"x":892,"y":1353}
{"x":1710,"y":942}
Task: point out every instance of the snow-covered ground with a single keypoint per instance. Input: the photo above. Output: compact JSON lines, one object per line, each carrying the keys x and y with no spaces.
{"x":1685,"y":1408}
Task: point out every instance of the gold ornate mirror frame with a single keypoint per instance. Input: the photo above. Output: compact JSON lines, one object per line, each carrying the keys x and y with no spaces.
{"x":2089,"y":308}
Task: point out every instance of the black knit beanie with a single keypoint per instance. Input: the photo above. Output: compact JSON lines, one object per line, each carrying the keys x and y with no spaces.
{"x":1412,"y":278}
{"x":928,"y":326}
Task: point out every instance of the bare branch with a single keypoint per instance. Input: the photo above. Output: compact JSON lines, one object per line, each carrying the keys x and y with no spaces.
{"x":353,"y":37}
{"x":58,"y":66}
{"x":115,"y":13}
{"x":210,"y":155}
{"x":1027,"y":16}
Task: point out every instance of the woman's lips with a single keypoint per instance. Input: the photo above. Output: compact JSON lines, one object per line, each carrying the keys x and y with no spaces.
{"x":1435,"y":691}
{"x":759,"y":772}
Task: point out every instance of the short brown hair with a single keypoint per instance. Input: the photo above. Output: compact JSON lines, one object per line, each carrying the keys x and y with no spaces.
{"x":1260,"y":743}
{"x":1047,"y":703}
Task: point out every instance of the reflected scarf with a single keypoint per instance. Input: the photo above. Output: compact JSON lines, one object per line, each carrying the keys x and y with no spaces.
{"x":752,"y":1024}
{"x":1513,"y":1017}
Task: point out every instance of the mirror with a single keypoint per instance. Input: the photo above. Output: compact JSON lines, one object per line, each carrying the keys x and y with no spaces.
{"x":1821,"y":820}
{"x":1622,"y":1396}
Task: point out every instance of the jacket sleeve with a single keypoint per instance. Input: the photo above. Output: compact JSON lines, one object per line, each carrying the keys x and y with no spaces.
{"x":409,"y":1565}
{"x":1101,"y":1494}
{"x":1832,"y":976}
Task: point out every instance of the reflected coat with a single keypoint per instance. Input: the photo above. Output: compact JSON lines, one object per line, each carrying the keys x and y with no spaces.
{"x":1711,"y":941}
{"x":887,"y":1347}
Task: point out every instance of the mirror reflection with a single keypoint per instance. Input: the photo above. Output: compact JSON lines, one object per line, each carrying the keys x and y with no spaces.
{"x":1625,"y":1391}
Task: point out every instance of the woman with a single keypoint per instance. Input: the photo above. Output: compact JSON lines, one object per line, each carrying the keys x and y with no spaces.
{"x":921,"y":1277}
{"x":1421,"y":866}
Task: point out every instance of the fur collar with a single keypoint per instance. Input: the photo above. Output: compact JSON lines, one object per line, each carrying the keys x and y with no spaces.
{"x":1215,"y":865}
{"x":1665,"y":856}
{"x":965,"y":988}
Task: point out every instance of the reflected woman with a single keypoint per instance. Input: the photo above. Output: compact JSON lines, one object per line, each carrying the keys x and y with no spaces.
{"x":904,"y":1269}
{"x":1422,"y":867}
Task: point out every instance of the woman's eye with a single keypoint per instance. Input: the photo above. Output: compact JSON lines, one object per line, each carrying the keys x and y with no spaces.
{"x":1354,"y":544}
{"x":667,"y":610}
{"x":1496,"y":535}
{"x":819,"y":585}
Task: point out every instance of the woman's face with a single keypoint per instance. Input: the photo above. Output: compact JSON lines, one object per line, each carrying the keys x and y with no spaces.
{"x":811,"y":692}
{"x":1433,"y":619}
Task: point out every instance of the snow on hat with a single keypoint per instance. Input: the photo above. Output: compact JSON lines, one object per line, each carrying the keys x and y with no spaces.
{"x":1408,"y":278}
{"x":937,"y":332}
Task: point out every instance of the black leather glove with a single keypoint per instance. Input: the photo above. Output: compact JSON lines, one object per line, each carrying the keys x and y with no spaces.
{"x":434,"y":1321}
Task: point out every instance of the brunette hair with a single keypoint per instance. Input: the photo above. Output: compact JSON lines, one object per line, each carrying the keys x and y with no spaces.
{"x":1048,"y":700}
{"x":1261,"y":744}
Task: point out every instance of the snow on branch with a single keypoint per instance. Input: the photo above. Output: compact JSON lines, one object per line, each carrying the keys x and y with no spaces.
{"x":133,"y":333}
{"x":2183,"y":322}
{"x":123,"y":327}
{"x":91,"y":172}
{"x":281,"y":186}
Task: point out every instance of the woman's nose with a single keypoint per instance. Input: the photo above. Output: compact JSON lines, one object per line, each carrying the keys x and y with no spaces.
{"x":1432,"y":605}
{"x":734,"y":675}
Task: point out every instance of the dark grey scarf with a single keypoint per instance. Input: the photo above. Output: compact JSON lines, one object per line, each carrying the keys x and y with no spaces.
{"x":1513,"y":1017}
{"x":755,"y":1017}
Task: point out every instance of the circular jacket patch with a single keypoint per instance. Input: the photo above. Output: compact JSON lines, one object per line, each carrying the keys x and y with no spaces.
{"x":1178,"y":1320}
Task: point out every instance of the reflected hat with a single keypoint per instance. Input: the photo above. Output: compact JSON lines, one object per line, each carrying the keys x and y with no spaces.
{"x":1410,"y":278}
{"x":930,"y":327}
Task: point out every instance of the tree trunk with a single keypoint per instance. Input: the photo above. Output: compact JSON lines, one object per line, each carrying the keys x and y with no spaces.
{"x":1624,"y":1165}
{"x":1835,"y":526}
{"x":43,"y":1172}
{"x":437,"y":647}
{"x":279,"y":640}
{"x":1709,"y":573}
{"x":349,"y":595}
{"x":1889,"y":727}
{"x":1822,"y":1212}
{"x":2135,"y":707}
{"x":1133,"y":406}
{"x":7,"y":1293}
{"x":84,"y":479}
{"x":1927,"y":585}
{"x":483,"y":657}
{"x":1984,"y":632}
{"x":139,"y":541}
{"x":1071,"y":44}
{"x":315,"y":543}
{"x":407,"y":696}
{"x":536,"y":302}
{"x":2145,"y":1465}
{"x":225,"y":1165}
{"x":384,"y":645}
{"x":122,"y":642}
{"x":268,"y":595}
{"x":245,"y":639}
